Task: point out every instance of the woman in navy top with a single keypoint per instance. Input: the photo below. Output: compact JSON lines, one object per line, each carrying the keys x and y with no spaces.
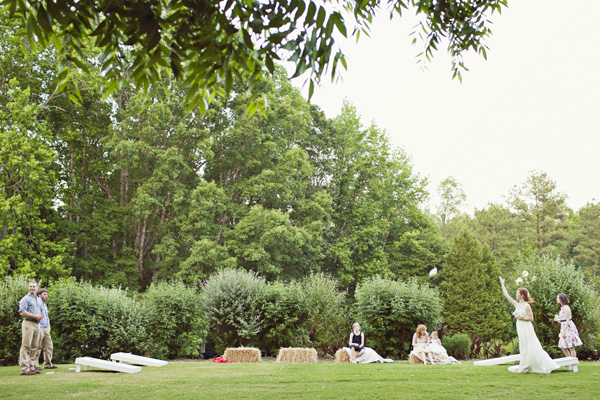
{"x":356,"y":342}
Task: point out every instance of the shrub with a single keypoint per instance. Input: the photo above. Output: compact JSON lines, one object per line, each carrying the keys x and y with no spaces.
{"x":283,"y":311}
{"x":12,"y":289}
{"x":545,"y":277}
{"x":326,"y":316}
{"x":176,"y":321}
{"x":95,"y":321}
{"x":457,"y":346}
{"x":231,"y":299}
{"x":391,"y":310}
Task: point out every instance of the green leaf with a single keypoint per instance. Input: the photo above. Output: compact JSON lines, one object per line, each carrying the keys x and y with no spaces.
{"x":310,"y":14}
{"x":311,"y":89}
{"x":321,"y":16}
{"x":339,"y":23}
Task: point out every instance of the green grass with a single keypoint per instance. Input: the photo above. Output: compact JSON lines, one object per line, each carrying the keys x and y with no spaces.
{"x":325,"y":380}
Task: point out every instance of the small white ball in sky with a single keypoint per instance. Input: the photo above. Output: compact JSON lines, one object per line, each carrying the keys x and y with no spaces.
{"x":433,"y":272}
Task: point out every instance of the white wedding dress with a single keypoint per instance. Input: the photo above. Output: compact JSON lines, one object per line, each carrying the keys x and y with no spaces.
{"x":534,"y":358}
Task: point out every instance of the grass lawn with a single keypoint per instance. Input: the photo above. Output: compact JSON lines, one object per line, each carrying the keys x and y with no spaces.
{"x":324,"y":380}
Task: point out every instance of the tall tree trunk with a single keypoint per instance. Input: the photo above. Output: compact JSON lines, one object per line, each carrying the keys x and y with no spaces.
{"x":123,"y":190}
{"x":141,"y":254}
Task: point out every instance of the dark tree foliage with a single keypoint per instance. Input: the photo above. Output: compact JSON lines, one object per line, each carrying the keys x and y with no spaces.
{"x":211,"y":44}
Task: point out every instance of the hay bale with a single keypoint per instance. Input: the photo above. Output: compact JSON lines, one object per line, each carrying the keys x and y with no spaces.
{"x":297,"y":355}
{"x":242,"y":354}
{"x":341,"y":356}
{"x":414,"y":359}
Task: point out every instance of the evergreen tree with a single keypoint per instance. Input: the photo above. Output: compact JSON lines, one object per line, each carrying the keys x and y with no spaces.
{"x":473,"y":302}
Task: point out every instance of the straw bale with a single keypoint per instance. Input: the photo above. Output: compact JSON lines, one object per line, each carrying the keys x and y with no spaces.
{"x":341,"y":356}
{"x":242,"y":354}
{"x":297,"y":355}
{"x":414,"y":359}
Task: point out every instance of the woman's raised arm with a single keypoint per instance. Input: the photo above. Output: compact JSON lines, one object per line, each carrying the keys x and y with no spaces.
{"x":505,"y":292}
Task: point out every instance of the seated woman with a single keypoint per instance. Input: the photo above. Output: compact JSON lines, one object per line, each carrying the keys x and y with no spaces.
{"x":420,"y":345}
{"x":356,"y":342}
{"x":435,"y":345}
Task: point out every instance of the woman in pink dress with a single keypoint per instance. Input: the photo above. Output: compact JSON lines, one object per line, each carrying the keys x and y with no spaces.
{"x":568,"y":337}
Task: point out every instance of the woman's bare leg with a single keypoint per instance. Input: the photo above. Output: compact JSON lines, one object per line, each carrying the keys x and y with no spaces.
{"x":430,"y":358}
{"x":566,"y":352}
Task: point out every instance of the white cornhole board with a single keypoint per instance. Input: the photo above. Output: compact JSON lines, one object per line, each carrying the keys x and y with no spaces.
{"x":569,"y":362}
{"x":88,"y":362}
{"x":500,"y":360}
{"x":138,"y":360}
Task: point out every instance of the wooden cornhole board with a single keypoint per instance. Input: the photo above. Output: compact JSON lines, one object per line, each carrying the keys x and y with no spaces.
{"x":87,"y":362}
{"x":569,"y":362}
{"x":137,"y":360}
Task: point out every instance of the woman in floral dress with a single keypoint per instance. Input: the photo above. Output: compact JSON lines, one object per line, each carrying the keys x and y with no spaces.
{"x":568,"y":337}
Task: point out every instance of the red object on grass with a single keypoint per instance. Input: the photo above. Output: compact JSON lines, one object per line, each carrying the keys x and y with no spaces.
{"x":220,"y":359}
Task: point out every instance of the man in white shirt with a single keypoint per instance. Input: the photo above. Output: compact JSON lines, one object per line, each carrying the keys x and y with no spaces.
{"x":29,"y":309}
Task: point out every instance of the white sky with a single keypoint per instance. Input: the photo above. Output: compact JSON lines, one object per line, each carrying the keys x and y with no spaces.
{"x":533,"y":105}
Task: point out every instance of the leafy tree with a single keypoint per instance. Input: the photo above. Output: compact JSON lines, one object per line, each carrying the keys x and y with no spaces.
{"x":543,"y":216}
{"x":208,"y":45}
{"x":254,"y":204}
{"x":473,"y":302}
{"x":495,"y":226}
{"x":452,"y":197}
{"x":123,"y":176}
{"x":28,"y":244}
{"x":375,"y":198}
{"x":587,"y":242}
{"x":265,"y":241}
{"x":416,"y":247}
{"x":146,"y":192}
{"x":90,"y":216}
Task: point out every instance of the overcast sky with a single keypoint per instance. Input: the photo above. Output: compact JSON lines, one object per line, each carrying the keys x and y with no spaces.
{"x":533,"y":105}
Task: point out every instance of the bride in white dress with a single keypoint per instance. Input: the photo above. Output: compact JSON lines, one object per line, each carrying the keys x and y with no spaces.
{"x":533,"y":357}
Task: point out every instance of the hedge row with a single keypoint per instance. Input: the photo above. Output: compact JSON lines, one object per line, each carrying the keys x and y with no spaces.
{"x":245,"y":310}
{"x":234,"y":308}
{"x":166,"y":322}
{"x":238,"y":308}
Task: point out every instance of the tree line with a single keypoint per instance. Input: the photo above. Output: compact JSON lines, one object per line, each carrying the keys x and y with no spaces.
{"x":534,"y":220}
{"x":133,"y":189}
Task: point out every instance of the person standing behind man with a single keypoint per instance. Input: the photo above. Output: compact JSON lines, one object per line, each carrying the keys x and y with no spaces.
{"x":30,"y":310}
{"x":45,"y":341}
